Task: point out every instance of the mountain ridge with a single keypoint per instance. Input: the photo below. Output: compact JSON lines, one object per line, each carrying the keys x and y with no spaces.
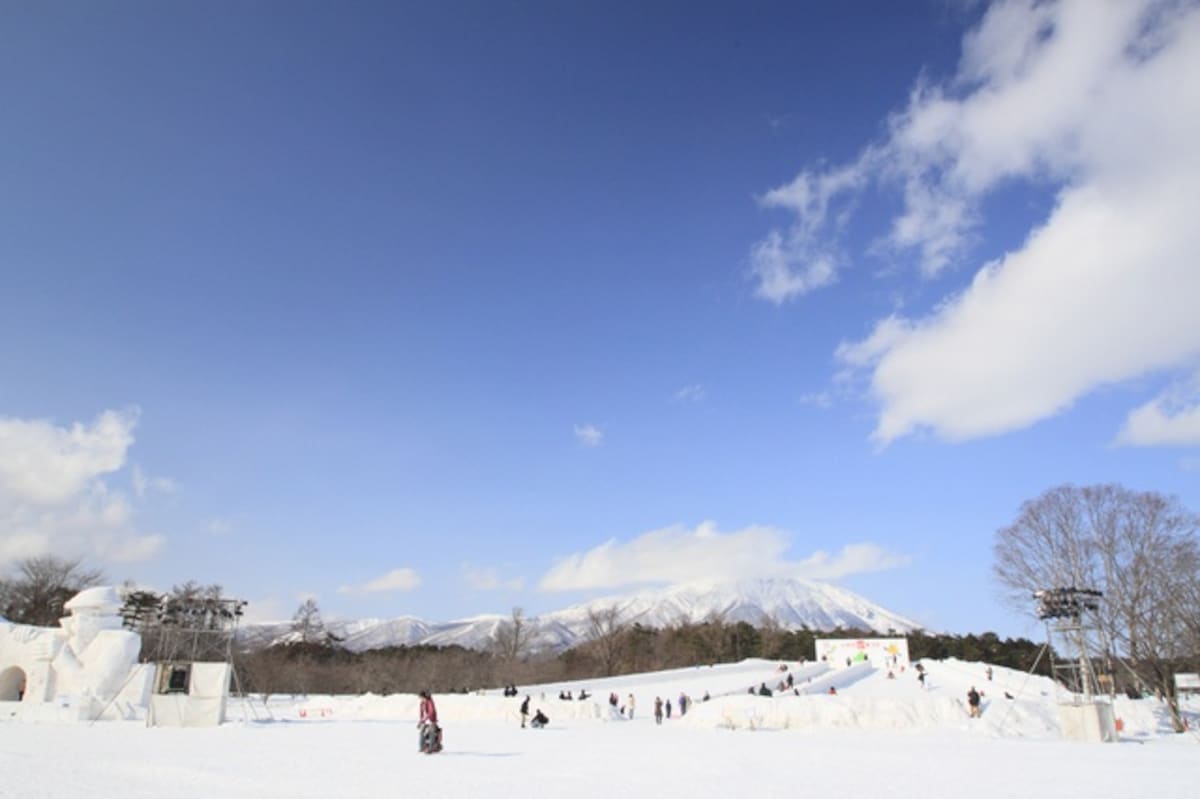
{"x":793,"y":603}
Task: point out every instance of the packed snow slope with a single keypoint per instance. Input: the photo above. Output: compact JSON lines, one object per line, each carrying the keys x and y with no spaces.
{"x":878,"y":736}
{"x":866,"y":698}
{"x":792,"y":603}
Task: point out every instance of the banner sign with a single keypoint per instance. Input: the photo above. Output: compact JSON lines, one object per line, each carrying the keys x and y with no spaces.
{"x":1187,"y":682}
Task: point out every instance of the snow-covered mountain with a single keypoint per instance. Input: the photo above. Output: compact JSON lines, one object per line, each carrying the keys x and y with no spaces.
{"x":792,"y":603}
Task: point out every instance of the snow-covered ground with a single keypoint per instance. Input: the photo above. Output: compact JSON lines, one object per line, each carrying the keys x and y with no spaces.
{"x":878,"y":736}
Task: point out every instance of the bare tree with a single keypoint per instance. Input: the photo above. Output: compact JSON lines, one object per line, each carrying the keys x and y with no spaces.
{"x":606,"y":633}
{"x":1139,"y":548}
{"x":42,"y":586}
{"x":192,"y":591}
{"x":308,"y":625}
{"x":512,"y":638}
{"x":1049,"y":545}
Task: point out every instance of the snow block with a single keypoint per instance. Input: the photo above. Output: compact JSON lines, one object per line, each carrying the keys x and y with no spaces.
{"x":1092,"y":722}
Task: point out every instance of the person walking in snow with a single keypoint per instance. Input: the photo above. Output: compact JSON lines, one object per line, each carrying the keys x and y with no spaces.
{"x":524,"y":712}
{"x":632,"y":703}
{"x":658,"y":710}
{"x":668,"y":704}
{"x":431,"y":734}
{"x":973,"y":709}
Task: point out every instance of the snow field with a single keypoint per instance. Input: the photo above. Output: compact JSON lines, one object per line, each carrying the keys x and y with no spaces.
{"x":576,"y":759}
{"x":877,"y":737}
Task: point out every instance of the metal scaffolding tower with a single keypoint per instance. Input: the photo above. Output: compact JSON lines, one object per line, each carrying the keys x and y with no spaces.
{"x":1071,"y":633}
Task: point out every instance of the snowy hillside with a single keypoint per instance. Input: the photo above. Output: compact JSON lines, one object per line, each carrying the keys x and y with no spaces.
{"x":792,"y":603}
{"x":823,"y":697}
{"x":877,"y":736}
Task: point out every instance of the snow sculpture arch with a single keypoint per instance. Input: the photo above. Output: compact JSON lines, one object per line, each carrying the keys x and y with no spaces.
{"x":12,"y":684}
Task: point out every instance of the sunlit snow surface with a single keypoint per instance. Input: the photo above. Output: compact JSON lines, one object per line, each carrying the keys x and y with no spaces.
{"x":877,"y":737}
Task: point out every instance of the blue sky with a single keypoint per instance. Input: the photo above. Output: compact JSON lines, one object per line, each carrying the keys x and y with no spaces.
{"x":444,"y":308}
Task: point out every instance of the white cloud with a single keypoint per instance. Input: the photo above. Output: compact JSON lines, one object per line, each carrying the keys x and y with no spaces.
{"x":1170,"y":419}
{"x":690,"y":393}
{"x":403,"y":579}
{"x":132,"y":549}
{"x":791,"y":263}
{"x":589,"y":435}
{"x":53,"y":494}
{"x":487,"y":578}
{"x":851,"y":559}
{"x":143,"y":485}
{"x":787,"y":268}
{"x":1087,"y":97}
{"x":677,"y":554}
{"x":44,"y":465}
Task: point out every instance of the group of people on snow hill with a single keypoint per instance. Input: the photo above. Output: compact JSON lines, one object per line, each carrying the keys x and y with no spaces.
{"x":661,"y":706}
{"x":431,"y":733}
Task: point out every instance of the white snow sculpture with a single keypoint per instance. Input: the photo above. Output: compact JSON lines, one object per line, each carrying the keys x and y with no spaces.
{"x":78,"y":670}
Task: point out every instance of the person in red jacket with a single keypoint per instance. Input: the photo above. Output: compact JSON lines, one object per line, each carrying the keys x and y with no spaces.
{"x":431,"y":734}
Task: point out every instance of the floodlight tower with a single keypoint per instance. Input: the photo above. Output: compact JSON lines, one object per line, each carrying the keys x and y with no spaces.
{"x":197,"y":629}
{"x":1069,"y":616}
{"x":1065,"y":611}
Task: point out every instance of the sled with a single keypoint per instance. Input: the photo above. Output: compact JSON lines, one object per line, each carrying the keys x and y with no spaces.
{"x":429,"y":740}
